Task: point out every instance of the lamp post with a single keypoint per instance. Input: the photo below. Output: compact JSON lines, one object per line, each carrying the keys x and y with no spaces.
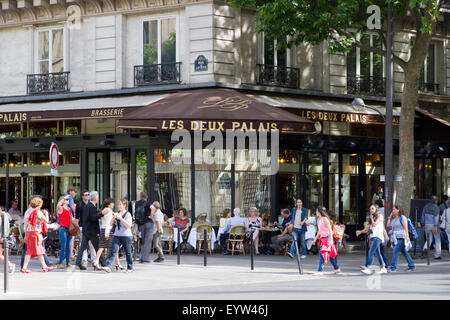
{"x":358,"y":103}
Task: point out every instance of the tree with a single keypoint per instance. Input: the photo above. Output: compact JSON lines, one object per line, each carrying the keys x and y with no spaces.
{"x":338,"y":22}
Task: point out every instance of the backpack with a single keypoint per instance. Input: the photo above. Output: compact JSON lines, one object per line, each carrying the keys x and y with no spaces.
{"x":411,"y":229}
{"x":139,"y":212}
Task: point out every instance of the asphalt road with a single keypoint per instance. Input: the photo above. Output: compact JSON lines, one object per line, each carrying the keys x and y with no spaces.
{"x":227,"y":277}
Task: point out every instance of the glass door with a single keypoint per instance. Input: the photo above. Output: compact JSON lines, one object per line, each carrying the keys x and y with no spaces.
{"x":108,"y":173}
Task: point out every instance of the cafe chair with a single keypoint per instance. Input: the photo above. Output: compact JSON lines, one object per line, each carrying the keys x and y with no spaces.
{"x":236,"y":239}
{"x":167,"y":236}
{"x":200,"y":237}
{"x":288,"y":244}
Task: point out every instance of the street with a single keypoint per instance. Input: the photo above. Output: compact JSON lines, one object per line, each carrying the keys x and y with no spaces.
{"x":227,"y":277}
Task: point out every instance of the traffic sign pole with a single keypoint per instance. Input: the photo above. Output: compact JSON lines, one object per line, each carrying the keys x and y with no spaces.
{"x":54,"y":161}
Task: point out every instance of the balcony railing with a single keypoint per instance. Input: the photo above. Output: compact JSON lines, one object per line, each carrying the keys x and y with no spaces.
{"x":152,"y":74}
{"x":46,"y":83}
{"x":371,"y":86}
{"x":277,"y":76}
{"x":429,"y":87}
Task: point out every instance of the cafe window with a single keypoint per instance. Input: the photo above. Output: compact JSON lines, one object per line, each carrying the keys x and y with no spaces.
{"x":49,"y":51}
{"x":141,"y":172}
{"x":43,"y":128}
{"x":72,"y":127}
{"x":70,"y":157}
{"x":172,"y":182}
{"x":160,"y":41}
{"x":10,"y":131}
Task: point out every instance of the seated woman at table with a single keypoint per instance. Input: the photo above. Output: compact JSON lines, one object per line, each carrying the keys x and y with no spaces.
{"x":200,"y":219}
{"x":226,"y":216}
{"x":181,"y":221}
{"x":254,"y":223}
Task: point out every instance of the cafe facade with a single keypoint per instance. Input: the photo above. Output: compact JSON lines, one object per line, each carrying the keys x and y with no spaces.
{"x":117,"y":85}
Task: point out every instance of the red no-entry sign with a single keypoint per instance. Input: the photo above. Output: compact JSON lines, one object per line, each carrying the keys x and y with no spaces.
{"x":54,"y":156}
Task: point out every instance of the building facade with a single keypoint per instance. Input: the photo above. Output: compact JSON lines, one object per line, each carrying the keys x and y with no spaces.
{"x":70,"y":70}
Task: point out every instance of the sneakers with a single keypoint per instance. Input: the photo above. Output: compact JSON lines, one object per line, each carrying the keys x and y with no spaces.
{"x":337,"y":271}
{"x":12,"y":268}
{"x":106,"y":269}
{"x":382,"y":270}
{"x":438,"y":258}
{"x":158,"y":259}
{"x":303,"y":257}
{"x":290,"y":255}
{"x":392,"y":270}
{"x":410,"y":269}
{"x":366,"y":271}
{"x":129,"y":271}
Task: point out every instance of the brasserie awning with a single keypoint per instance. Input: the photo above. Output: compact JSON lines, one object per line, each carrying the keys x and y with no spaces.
{"x":214,"y":109}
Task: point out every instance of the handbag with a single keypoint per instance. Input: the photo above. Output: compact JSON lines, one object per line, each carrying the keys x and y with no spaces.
{"x":74,"y":228}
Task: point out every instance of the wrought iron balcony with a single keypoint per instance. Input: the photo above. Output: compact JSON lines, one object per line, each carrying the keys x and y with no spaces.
{"x":46,"y":83}
{"x":372,"y":86}
{"x":429,"y":87}
{"x":152,"y":74}
{"x":277,"y":76}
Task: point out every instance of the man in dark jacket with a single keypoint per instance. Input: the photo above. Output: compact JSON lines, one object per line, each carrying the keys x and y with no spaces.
{"x":78,"y":215}
{"x":91,"y":228}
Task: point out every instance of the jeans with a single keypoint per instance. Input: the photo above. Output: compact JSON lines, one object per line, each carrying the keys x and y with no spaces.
{"x":157,"y":242}
{"x":400,"y":247}
{"x":65,"y":238}
{"x":299,"y":236}
{"x":126,"y":243}
{"x":147,"y":230}
{"x":383,"y":255}
{"x":47,"y":262}
{"x":429,"y":231}
{"x":322,"y":263}
{"x":375,"y":249}
{"x":448,"y":237}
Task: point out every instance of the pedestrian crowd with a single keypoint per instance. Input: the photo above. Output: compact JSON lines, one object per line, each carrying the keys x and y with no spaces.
{"x":103,"y":232}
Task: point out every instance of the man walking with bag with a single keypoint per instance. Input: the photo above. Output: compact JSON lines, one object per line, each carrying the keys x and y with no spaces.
{"x":144,"y":218}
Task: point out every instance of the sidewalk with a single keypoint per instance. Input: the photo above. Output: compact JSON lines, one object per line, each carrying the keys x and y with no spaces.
{"x":226,"y":277}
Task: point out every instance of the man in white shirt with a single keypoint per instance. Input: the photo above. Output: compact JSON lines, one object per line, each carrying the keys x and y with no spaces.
{"x":158,"y":219}
{"x":234,"y":221}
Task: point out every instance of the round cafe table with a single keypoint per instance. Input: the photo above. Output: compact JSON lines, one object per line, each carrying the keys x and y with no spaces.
{"x":267,"y":234}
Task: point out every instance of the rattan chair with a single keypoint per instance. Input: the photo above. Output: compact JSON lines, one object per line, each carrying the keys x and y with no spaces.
{"x":167,"y":236}
{"x":236,"y":239}
{"x":200,"y":237}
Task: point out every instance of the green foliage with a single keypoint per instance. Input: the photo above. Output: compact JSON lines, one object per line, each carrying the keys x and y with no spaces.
{"x":151,"y":52}
{"x":168,"y":50}
{"x":319,"y":20}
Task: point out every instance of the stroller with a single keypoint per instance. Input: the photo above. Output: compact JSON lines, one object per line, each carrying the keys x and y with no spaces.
{"x":52,"y":243}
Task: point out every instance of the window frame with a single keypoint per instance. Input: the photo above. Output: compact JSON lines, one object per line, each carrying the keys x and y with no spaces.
{"x":50,"y":30}
{"x":425,"y":65}
{"x":371,"y":54}
{"x":158,"y":18}
{"x":275,"y":53}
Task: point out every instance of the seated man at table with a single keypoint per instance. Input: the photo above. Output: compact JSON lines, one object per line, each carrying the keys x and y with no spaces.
{"x":234,"y":221}
{"x":279,"y":240}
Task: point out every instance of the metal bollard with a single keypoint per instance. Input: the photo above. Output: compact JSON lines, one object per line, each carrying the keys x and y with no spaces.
{"x":300,"y":268}
{"x":5,"y":270}
{"x":179,"y":246}
{"x":205,"y":247}
{"x":251,"y":252}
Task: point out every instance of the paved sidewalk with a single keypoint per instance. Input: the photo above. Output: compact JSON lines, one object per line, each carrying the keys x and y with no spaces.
{"x":230,"y":277}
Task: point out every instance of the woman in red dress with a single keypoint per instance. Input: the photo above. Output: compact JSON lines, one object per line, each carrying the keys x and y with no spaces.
{"x":35,"y":226}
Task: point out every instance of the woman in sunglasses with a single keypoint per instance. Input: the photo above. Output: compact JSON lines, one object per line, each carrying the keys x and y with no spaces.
{"x":65,"y":218}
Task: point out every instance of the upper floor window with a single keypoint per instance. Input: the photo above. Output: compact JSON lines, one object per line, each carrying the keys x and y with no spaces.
{"x":50,"y":51}
{"x":428,"y":81}
{"x":160,"y":41}
{"x":365,"y":70}
{"x":273,"y":56}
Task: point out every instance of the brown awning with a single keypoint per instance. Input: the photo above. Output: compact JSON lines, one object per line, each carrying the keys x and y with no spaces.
{"x":214,"y":109}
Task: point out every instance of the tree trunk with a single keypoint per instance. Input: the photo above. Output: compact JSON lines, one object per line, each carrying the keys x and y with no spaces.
{"x":410,"y":100}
